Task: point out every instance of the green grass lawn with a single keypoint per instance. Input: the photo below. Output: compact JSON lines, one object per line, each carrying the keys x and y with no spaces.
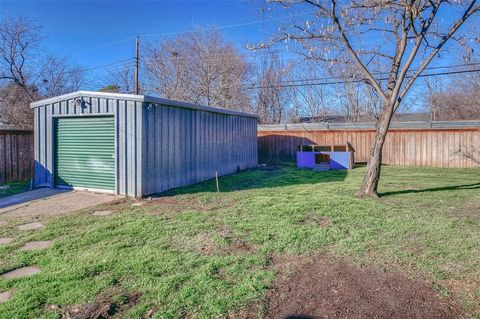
{"x":198,"y":253}
{"x":14,"y":188}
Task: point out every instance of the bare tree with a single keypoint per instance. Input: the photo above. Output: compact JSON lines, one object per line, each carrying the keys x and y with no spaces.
{"x":313,"y":102}
{"x":403,"y":36}
{"x":27,"y":74}
{"x":122,"y":78}
{"x":199,"y":67}
{"x":357,"y":101}
{"x":272,"y":99}
{"x":15,"y":106}
{"x":57,"y":76}
{"x":432,"y":98}
{"x":19,"y":39}
{"x":459,"y":99}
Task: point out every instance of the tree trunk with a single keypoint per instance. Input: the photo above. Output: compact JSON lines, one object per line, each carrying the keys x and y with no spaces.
{"x":374,"y":164}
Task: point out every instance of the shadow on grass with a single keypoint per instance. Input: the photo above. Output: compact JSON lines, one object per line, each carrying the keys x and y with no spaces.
{"x":12,"y":188}
{"x":434,"y":189}
{"x":269,"y":176}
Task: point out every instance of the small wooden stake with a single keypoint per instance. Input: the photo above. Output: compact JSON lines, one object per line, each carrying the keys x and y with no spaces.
{"x":216,"y":179}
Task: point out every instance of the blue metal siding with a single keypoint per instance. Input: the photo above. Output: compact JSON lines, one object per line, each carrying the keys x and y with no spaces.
{"x":128,"y":128}
{"x":157,"y":146}
{"x":184,"y":146}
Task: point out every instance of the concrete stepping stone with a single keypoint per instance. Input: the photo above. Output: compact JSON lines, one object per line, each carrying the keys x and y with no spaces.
{"x":5,"y":296}
{"x":5,"y":240}
{"x":30,"y":226}
{"x":36,"y":245}
{"x":22,"y":272}
{"x":137,"y":204}
{"x":102,"y":213}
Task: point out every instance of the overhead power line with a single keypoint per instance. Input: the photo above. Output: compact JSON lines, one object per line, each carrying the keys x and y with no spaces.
{"x":376,"y":73}
{"x":106,"y":45}
{"x":358,"y":80}
{"x":101,"y":66}
{"x":227,"y":26}
{"x":193,"y":30}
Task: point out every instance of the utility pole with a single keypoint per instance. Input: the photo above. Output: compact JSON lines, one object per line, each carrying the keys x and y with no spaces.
{"x":137,"y":45}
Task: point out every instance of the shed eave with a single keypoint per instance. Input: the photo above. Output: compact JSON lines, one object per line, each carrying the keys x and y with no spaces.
{"x":68,"y":96}
{"x":157,"y":100}
{"x":140,"y":98}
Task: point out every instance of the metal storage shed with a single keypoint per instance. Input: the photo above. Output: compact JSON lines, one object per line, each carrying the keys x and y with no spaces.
{"x":136,"y":144}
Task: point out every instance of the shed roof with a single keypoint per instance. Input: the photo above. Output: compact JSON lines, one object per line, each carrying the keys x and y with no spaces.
{"x":140,"y":98}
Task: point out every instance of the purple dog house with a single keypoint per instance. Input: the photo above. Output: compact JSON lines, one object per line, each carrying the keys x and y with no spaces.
{"x":325,"y":157}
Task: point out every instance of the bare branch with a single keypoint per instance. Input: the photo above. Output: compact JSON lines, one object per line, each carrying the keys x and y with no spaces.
{"x":470,"y":11}
{"x":367,"y":73}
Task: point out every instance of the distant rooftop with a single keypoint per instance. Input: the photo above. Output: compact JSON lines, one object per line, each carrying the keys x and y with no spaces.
{"x":400,"y":117}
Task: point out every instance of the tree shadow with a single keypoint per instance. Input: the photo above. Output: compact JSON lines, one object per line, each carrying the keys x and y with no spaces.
{"x":471,"y":155}
{"x":264,"y":176}
{"x":434,"y":189}
{"x":280,"y":147}
{"x":279,"y":170}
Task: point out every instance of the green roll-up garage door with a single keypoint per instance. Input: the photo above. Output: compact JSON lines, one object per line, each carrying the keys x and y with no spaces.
{"x":84,"y":152}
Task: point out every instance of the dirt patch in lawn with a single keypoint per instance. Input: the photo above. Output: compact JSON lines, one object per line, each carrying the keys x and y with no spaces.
{"x":173,"y":203}
{"x":180,"y":204}
{"x":202,"y":244}
{"x":109,"y":305}
{"x":466,"y":287}
{"x":470,"y":211}
{"x":236,"y":245}
{"x":321,"y":221}
{"x":206,"y":245}
{"x":323,"y":287}
{"x":320,"y":287}
{"x":240,"y":247}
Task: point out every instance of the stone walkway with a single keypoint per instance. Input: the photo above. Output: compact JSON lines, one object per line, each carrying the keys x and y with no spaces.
{"x":22,"y":272}
{"x":102,"y":213}
{"x":31,"y":226}
{"x":5,"y":296}
{"x":5,"y":240}
{"x":63,"y":201}
{"x":36,"y":245}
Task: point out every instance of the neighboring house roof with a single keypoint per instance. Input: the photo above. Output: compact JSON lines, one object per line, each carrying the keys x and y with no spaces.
{"x":4,"y":126}
{"x":399,"y":117}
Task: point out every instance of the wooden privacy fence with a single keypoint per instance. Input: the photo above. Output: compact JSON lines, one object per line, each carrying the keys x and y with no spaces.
{"x":437,"y":144}
{"x":16,"y":155}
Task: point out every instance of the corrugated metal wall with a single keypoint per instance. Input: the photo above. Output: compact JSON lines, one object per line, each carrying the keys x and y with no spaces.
{"x":157,"y":146}
{"x":184,"y":146}
{"x":128,"y":128}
